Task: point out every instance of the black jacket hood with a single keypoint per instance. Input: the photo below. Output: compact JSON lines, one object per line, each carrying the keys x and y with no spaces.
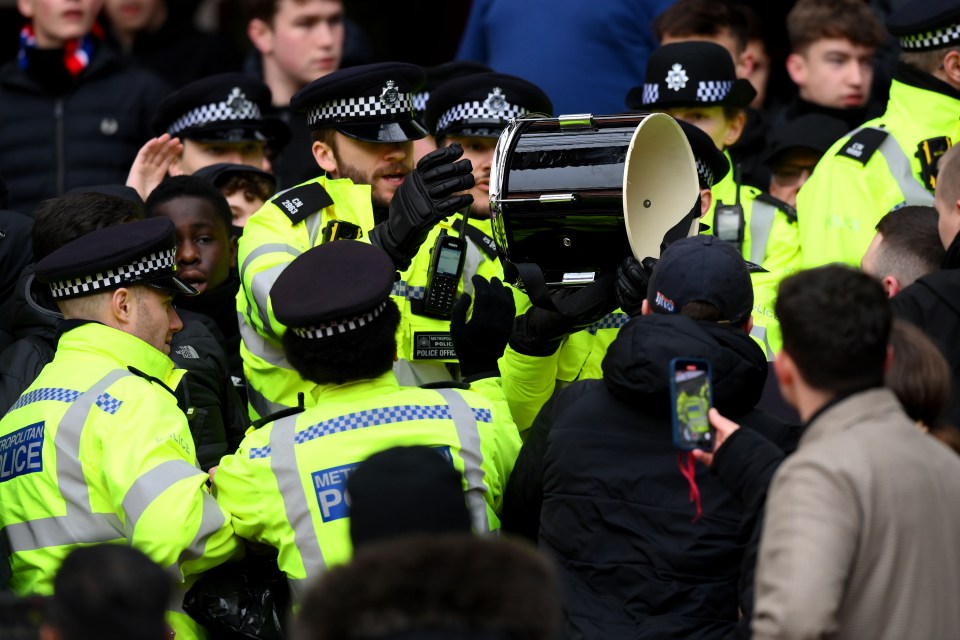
{"x":636,"y":368}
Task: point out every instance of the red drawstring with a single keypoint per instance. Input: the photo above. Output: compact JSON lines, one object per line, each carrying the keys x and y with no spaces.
{"x":688,"y":469}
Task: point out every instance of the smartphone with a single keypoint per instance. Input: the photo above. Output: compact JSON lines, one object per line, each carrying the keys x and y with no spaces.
{"x":691,"y":396}
{"x":446,"y":269}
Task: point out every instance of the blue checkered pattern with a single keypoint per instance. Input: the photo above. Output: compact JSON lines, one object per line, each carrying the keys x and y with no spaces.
{"x":373,"y":418}
{"x":402,"y":290}
{"x":651,"y":93}
{"x":49,"y":393}
{"x":108,"y":403}
{"x":610,"y":321}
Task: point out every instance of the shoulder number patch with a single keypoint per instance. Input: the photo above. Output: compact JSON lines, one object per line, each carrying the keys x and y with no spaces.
{"x":863,"y":144}
{"x":303,"y":200}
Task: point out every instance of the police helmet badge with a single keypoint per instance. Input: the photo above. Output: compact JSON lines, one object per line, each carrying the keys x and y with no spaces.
{"x":390,"y":94}
{"x":495,"y":102}
{"x":677,"y":77}
{"x":237,"y":101}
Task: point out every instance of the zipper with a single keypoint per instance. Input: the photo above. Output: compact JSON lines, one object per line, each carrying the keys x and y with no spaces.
{"x":60,"y":151}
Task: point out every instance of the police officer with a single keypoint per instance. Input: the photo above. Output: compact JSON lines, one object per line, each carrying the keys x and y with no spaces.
{"x":362,"y":125}
{"x":436,"y":76}
{"x":287,"y":480}
{"x":469,"y":111}
{"x":890,"y":161}
{"x":223,"y":118}
{"x":96,"y":450}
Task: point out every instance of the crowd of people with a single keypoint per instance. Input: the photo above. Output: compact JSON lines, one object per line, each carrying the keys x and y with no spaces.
{"x":266,"y":370}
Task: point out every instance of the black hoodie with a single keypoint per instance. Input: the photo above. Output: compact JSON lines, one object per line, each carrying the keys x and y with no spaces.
{"x":597,"y":484}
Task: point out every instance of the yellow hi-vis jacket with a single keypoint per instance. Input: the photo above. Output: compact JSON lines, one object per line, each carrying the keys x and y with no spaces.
{"x":94,"y":453}
{"x":283,"y":228}
{"x":286,"y":484}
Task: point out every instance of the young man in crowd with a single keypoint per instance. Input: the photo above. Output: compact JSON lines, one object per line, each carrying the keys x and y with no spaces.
{"x":246,"y":188}
{"x":906,"y":248}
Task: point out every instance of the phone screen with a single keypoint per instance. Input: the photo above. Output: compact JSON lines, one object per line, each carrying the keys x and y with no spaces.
{"x":449,"y":261}
{"x":691,"y":394}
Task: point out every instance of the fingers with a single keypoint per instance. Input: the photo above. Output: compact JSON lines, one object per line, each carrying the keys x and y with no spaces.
{"x":459,"y":316}
{"x":452,"y":204}
{"x":443,"y":155}
{"x":450,"y":186}
{"x":723,"y":426}
{"x":703,"y":457}
{"x":446,"y":170}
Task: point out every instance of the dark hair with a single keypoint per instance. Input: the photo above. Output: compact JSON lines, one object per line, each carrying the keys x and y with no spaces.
{"x":110,"y":592}
{"x":252,"y":185}
{"x":58,"y":221}
{"x":361,"y":354}
{"x":853,"y":20}
{"x":191,"y":187}
{"x":691,"y":18}
{"x":459,"y":584}
{"x":835,"y":323}
{"x":911,"y":246}
{"x":919,"y":374}
{"x":326,"y":135}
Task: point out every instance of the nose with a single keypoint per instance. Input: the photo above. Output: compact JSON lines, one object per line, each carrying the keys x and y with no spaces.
{"x":176,"y":324}
{"x":855,"y":74}
{"x":395,"y":152}
{"x":187,"y":253}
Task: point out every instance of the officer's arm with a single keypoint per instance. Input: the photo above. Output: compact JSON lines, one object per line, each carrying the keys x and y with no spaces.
{"x":239,"y":485}
{"x":528,"y":382}
{"x":157,"y":489}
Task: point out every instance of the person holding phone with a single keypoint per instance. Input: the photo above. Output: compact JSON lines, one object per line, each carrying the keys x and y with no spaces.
{"x":645,"y":548}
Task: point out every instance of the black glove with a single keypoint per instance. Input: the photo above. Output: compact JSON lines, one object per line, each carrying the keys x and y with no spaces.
{"x":425,"y":198}
{"x":480,"y":342}
{"x":633,"y":279}
{"x":539,"y":332}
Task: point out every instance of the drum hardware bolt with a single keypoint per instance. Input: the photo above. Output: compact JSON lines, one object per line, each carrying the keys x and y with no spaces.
{"x":567,"y":242}
{"x":647,"y":204}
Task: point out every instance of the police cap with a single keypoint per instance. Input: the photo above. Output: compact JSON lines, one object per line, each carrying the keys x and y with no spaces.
{"x":482,"y":104}
{"x":924,"y":25}
{"x":814,"y":131}
{"x":218,"y":174}
{"x":690,"y":74}
{"x":333,"y":288}
{"x":141,"y":252}
{"x":372,"y":102}
{"x":702,"y":268}
{"x":712,"y":165}
{"x":229,"y":107}
{"x":441,"y":74}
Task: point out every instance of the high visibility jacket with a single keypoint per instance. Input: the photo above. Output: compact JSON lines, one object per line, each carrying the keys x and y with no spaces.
{"x":283,"y":228}
{"x":93,"y":453}
{"x":424,"y":346}
{"x":285,"y":486}
{"x":867,"y":174}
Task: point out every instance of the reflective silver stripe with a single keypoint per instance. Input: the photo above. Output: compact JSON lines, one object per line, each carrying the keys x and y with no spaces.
{"x":283,"y":462}
{"x":313,"y":223}
{"x":761,"y":222}
{"x":150,"y":485}
{"x":899,"y":164}
{"x":472,"y":455}
{"x":760,"y":333}
{"x":264,"y":249}
{"x":56,"y":531}
{"x":260,"y":404}
{"x":262,"y":282}
{"x":297,"y":587}
{"x":212,"y":520}
{"x":260,"y":346}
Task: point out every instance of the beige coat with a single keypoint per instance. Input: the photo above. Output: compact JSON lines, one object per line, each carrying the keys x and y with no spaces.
{"x":862,"y":531}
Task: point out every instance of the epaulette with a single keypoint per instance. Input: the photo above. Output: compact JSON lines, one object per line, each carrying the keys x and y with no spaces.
{"x":863,"y":144}
{"x":150,"y":378}
{"x":446,"y":384}
{"x":786,"y":209}
{"x":301,"y":201}
{"x":282,"y":413}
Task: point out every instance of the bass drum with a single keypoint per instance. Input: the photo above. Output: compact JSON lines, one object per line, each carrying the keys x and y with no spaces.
{"x":575,"y":195}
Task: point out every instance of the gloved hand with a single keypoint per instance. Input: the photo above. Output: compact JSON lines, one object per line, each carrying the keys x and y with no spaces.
{"x":424,"y":198}
{"x":539,"y":332}
{"x":480,"y":342}
{"x":633,"y":279}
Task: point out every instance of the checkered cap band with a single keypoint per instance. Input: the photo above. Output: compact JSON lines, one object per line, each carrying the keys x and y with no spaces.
{"x":236,"y":107}
{"x":420,"y":100}
{"x":478,"y":110}
{"x":134,"y":272}
{"x":651,"y":93}
{"x":713,"y":90}
{"x":704,"y":172}
{"x":363,"y":107}
{"x":335,"y":327}
{"x":931,"y":39}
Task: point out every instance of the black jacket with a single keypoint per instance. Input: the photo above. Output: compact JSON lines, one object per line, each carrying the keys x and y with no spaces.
{"x":16,"y":253}
{"x":598,"y":485}
{"x":217,"y":421}
{"x":933,"y":304}
{"x":86,"y":134}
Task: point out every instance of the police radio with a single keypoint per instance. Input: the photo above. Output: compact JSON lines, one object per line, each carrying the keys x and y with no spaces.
{"x":728,"y":219}
{"x":446,"y":268}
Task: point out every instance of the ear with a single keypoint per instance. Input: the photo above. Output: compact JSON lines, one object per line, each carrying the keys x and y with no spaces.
{"x":797,"y":69}
{"x":25,"y":7}
{"x":706,"y":201}
{"x":785,"y":370}
{"x":891,"y":285}
{"x":645,"y":309}
{"x":748,"y":325}
{"x":325,"y":157}
{"x":735,"y":129}
{"x":261,"y":35}
{"x":746,"y":63}
{"x":951,"y":68}
{"x":122,"y":307}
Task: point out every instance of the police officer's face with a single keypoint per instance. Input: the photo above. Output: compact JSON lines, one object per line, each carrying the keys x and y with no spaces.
{"x":382,"y":165}
{"x":197,"y":155}
{"x":479,"y":151}
{"x":205,"y":251}
{"x":57,"y":21}
{"x":304,"y":41}
{"x":156,"y":320}
{"x":833,"y":72}
{"x":712,"y":121}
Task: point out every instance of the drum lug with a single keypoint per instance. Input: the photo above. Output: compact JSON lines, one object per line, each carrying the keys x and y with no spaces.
{"x":576,"y":122}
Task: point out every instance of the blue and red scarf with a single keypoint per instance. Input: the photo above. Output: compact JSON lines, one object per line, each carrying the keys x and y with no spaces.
{"x":76,"y":53}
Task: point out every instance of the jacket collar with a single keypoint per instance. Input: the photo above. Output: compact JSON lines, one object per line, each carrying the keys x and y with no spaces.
{"x":122,"y":348}
{"x":867,"y":406}
{"x":357,"y":389}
